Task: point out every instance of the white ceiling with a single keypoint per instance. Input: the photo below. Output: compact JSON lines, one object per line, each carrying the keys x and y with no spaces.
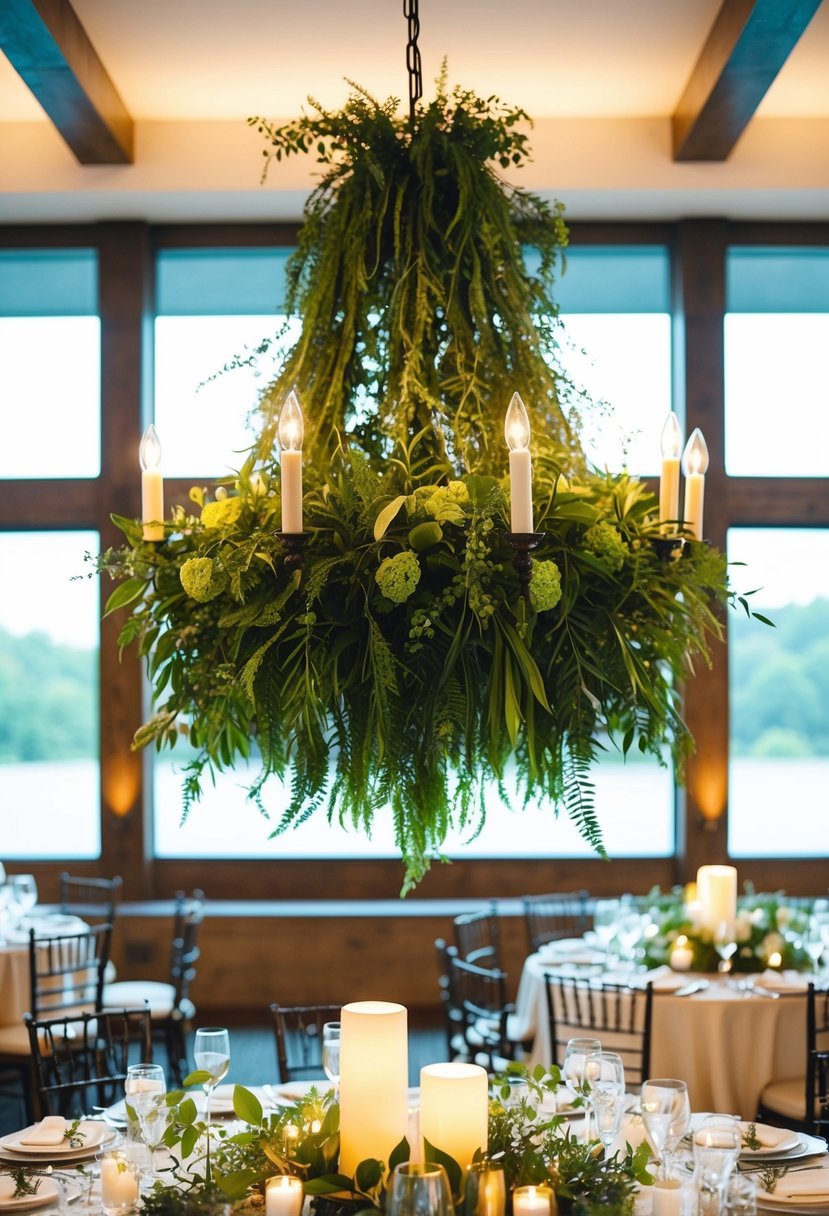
{"x":602,"y":78}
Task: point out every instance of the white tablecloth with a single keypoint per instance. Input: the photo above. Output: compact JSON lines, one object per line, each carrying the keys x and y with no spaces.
{"x":726,"y":1046}
{"x":15,"y":989}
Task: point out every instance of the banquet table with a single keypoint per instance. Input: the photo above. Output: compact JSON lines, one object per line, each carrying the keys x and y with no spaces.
{"x":726,"y":1044}
{"x":15,"y":987}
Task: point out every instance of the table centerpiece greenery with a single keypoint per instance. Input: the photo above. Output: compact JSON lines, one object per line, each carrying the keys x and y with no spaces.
{"x":400,"y":670}
{"x":303,"y":1140}
{"x":769,"y":932}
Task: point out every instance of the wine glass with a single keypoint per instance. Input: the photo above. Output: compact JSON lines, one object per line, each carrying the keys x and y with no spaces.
{"x":419,"y":1190}
{"x":813,"y":943}
{"x":331,"y":1052}
{"x":605,"y":915}
{"x":26,"y":889}
{"x":664,"y":1102}
{"x":605,"y":1074}
{"x":725,"y":944}
{"x":211,"y":1052}
{"x":145,"y":1090}
{"x":717,"y":1145}
{"x":573,"y":1069}
{"x":629,"y":934}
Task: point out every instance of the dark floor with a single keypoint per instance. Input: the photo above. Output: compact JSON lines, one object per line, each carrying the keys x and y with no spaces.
{"x":253,"y":1061}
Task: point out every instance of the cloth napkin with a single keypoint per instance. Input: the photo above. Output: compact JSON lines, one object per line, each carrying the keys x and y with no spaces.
{"x":806,"y":1182}
{"x":769,"y":1137}
{"x":782,"y":981}
{"x":50,"y":1130}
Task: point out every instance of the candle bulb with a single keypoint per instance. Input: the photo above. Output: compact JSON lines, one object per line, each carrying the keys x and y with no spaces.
{"x":290,"y":463}
{"x":669,"y":480}
{"x":694,"y":466}
{"x":152,"y":485}
{"x":517,"y":433}
{"x":284,"y":1196}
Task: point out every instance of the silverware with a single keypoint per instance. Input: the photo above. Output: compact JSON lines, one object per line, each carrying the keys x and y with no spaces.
{"x":690,"y":989}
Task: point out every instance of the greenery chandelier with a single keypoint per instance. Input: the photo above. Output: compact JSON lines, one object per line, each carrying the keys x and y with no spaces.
{"x":386,"y":657}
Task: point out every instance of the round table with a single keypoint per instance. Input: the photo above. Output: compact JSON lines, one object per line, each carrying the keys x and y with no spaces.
{"x":725,"y":1044}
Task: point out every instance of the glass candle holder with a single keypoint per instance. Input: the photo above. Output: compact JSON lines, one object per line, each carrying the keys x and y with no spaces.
{"x":284,"y":1196}
{"x":120,"y":1182}
{"x":533,"y":1201}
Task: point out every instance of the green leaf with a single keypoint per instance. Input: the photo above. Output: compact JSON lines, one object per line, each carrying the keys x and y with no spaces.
{"x":127,"y":593}
{"x":329,"y":1184}
{"x":368,"y":1174}
{"x":199,"y":1077}
{"x":384,"y":519}
{"x":187,"y":1111}
{"x":189,"y":1139}
{"x":399,"y":1154}
{"x":236,"y":1184}
{"x":758,"y":616}
{"x":246,"y":1105}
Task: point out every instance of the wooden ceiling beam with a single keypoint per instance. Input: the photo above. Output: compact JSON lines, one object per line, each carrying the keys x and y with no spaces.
{"x":749,"y":42}
{"x":49,"y":48}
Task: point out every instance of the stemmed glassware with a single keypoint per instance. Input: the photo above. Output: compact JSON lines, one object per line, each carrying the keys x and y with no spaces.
{"x":813,"y":943}
{"x":21,"y":896}
{"x":665,"y":1114}
{"x":573,"y":1069}
{"x":331,"y":1052}
{"x":211,"y":1052}
{"x":605,"y":916}
{"x":605,"y":1074}
{"x":717,"y":1145}
{"x":725,"y":944}
{"x":145,"y":1090}
{"x":419,"y":1190}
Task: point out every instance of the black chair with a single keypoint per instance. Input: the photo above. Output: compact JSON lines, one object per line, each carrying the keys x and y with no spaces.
{"x":66,"y":976}
{"x":481,"y":994}
{"x":298,"y":1033}
{"x":81,"y":1062}
{"x":169,"y":1000}
{"x":549,"y":918}
{"x":802,"y":1102}
{"x":93,"y":899}
{"x":453,"y":1019}
{"x":478,"y":936}
{"x":618,"y":1015}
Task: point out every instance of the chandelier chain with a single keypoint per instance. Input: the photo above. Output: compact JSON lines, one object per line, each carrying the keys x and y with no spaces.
{"x":413,"y":64}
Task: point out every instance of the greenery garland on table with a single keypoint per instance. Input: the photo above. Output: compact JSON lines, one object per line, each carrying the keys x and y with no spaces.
{"x":400,"y":671}
{"x":303,"y":1140}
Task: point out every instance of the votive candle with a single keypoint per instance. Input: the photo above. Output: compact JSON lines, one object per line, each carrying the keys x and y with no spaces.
{"x":119,"y":1184}
{"x":533,"y":1201}
{"x":284,"y":1196}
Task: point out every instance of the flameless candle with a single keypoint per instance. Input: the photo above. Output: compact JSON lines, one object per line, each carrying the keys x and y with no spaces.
{"x":671,"y":1197}
{"x":284,"y":1196}
{"x":374,"y":1079}
{"x":517,"y":433}
{"x":152,"y":485}
{"x":290,"y":463}
{"x":119,"y":1183}
{"x":694,"y":466}
{"x":454,"y":1102}
{"x":717,"y":895}
{"x":669,"y":480}
{"x":532,"y":1201}
{"x":682,"y":956}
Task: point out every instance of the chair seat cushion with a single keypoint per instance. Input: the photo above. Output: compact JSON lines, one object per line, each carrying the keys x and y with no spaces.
{"x":134,"y":994}
{"x":786,"y":1098}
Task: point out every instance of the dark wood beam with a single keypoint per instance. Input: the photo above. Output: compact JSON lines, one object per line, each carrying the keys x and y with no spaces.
{"x":49,"y":48}
{"x":746,"y":48}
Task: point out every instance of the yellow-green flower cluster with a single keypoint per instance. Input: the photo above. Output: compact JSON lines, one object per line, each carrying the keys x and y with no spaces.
{"x":545,"y":586}
{"x":202,"y":579}
{"x":398,"y":576}
{"x":606,"y":542}
{"x":221,"y":514}
{"x":446,"y":503}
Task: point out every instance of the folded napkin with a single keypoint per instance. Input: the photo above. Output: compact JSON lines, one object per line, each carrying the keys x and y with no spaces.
{"x":782,"y":981}
{"x":804,"y":1182}
{"x":50,"y":1130}
{"x":769,"y":1137}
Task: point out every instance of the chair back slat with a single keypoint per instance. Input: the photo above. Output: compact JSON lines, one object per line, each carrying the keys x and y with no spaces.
{"x":618,"y":1015}
{"x":481,"y":996}
{"x":93,"y":899}
{"x":550,"y":918}
{"x":298,"y":1033}
{"x":67,"y":972}
{"x":478,"y":936}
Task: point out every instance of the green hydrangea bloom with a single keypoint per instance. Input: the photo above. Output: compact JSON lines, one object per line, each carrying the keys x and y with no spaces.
{"x":545,"y":586}
{"x":202,"y":579}
{"x":444,"y":503}
{"x":398,"y":576}
{"x":221,"y":514}
{"x":605,"y":541}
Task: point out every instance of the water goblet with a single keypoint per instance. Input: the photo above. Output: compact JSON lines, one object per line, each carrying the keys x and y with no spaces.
{"x":813,"y":943}
{"x":26,"y":891}
{"x":605,"y":1074}
{"x":417,"y":1189}
{"x":717,"y":1145}
{"x":572,"y":1070}
{"x":331,"y":1052}
{"x":211,"y":1052}
{"x":605,"y":915}
{"x":740,"y":1197}
{"x":145,"y":1089}
{"x":664,"y":1103}
{"x":725,"y":944}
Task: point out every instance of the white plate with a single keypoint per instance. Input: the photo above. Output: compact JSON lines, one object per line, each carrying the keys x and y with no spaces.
{"x":781,"y":1140}
{"x":47,"y":1192}
{"x":93,"y":1133}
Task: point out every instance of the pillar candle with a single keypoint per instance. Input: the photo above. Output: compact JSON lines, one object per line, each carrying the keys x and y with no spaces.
{"x":152,"y":486}
{"x":291,"y":429}
{"x":284,"y":1196}
{"x":671,"y":1198}
{"x":717,"y":895}
{"x":454,"y":1102}
{"x":517,"y":433}
{"x":669,"y":479}
{"x":374,"y":1078}
{"x":682,"y":956}
{"x":694,"y":466}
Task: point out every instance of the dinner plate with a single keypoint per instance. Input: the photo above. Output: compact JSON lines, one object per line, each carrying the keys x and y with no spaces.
{"x":93,"y":1133}
{"x":807,"y":1146}
{"x":778,"y":1140}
